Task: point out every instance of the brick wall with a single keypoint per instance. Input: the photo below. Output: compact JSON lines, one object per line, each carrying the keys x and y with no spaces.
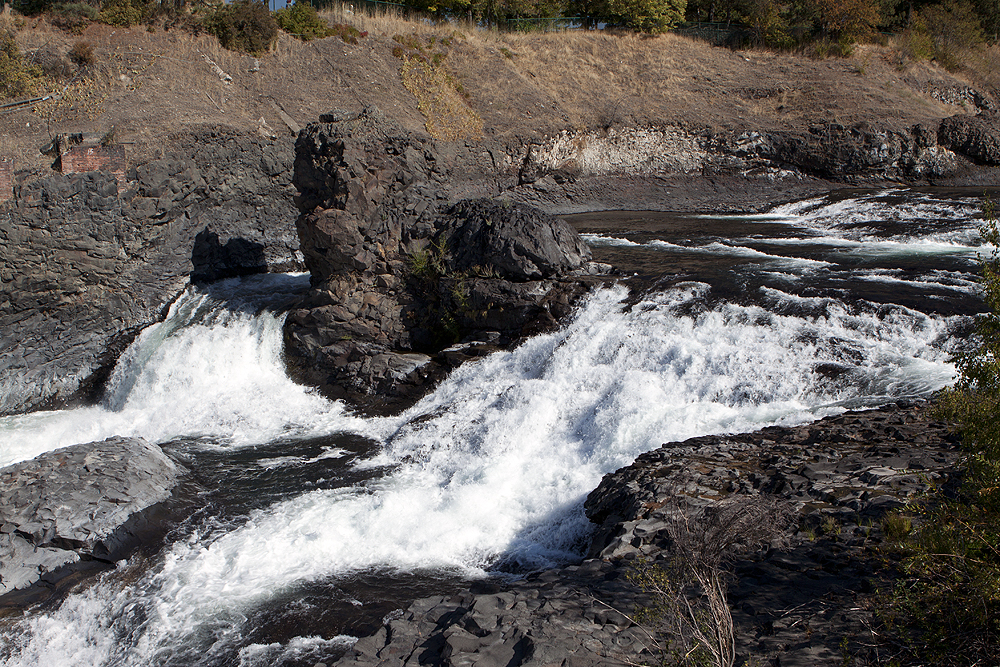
{"x":6,"y":179}
{"x":95,"y":158}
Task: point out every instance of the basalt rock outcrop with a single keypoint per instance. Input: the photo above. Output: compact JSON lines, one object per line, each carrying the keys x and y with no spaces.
{"x":85,"y":262}
{"x":405,"y":284}
{"x":977,"y":137}
{"x":77,"y":503}
{"x":800,"y":602}
{"x":771,"y":161}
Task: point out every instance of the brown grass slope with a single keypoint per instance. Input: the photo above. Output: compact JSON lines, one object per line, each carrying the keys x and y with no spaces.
{"x":148,"y":86}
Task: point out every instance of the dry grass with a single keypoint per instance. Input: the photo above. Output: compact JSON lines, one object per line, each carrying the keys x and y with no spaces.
{"x":150,"y":85}
{"x":448,"y":116}
{"x":983,"y":67}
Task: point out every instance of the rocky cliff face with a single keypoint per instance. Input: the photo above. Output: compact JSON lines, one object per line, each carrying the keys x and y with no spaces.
{"x":677,"y":168}
{"x":400,"y":276}
{"x":84,"y":266}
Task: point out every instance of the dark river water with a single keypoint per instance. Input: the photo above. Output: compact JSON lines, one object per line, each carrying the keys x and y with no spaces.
{"x":303,"y":524}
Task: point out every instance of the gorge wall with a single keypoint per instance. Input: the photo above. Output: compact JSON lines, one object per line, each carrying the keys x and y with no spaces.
{"x":681,"y":168}
{"x":83,"y":265}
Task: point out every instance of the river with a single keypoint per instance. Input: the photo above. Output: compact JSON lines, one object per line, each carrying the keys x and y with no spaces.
{"x":302,"y":523}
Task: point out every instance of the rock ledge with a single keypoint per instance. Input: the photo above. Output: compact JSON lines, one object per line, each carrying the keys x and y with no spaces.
{"x":72,"y":504}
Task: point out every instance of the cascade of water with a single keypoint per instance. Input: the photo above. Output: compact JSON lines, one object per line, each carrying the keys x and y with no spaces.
{"x":489,"y":470}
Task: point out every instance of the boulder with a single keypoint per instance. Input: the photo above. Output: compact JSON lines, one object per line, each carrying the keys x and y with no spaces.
{"x":77,"y":503}
{"x":516,"y":241}
{"x":400,"y":276}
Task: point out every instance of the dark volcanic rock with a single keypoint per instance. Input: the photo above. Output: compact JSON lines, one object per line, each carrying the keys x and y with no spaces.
{"x":517,"y":241}
{"x":853,"y":154}
{"x":83,"y":265}
{"x":75,"y":503}
{"x":399,"y":276}
{"x":797,"y":605}
{"x":977,"y":137}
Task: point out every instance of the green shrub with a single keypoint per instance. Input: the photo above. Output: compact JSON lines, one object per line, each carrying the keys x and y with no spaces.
{"x":121,"y":13}
{"x":301,"y":20}
{"x":244,"y":25}
{"x":18,"y":78}
{"x":73,"y":16}
{"x":348,"y":33}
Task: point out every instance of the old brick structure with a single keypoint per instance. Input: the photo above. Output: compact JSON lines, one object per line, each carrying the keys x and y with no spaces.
{"x":80,"y":153}
{"x":97,"y":157}
{"x":6,"y":180}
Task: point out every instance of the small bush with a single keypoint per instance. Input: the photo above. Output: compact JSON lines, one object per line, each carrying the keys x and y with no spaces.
{"x":120,"y":13}
{"x":18,"y":78}
{"x":896,"y":527}
{"x":690,"y":616}
{"x":301,"y":20}
{"x":348,"y":33}
{"x":73,"y":17}
{"x":53,"y":64}
{"x":82,"y":54}
{"x":244,"y":25}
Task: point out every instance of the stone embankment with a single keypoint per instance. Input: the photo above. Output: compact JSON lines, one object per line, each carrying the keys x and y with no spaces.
{"x":84,"y":265}
{"x":76,"y":505}
{"x":800,"y":602}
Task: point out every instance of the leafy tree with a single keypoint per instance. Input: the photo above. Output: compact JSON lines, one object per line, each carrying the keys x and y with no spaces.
{"x":946,"y":30}
{"x":651,"y":16}
{"x":244,"y":25}
{"x":847,"y":19}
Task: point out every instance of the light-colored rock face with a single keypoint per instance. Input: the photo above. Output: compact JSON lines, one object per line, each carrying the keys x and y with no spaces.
{"x":625,"y":151}
{"x":69,"y":502}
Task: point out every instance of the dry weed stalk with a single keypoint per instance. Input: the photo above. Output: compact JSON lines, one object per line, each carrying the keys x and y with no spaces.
{"x":690,"y":587}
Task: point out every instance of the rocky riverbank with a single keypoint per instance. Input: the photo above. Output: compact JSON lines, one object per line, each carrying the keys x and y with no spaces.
{"x":87,"y":261}
{"x":801,"y":602}
{"x":73,"y":511}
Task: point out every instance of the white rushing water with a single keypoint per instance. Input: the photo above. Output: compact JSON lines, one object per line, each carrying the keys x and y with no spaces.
{"x":497,"y":465}
{"x":494,"y":465}
{"x":209,"y":369}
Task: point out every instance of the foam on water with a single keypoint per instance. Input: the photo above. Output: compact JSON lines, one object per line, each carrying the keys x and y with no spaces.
{"x":492,"y":468}
{"x":869,"y":217}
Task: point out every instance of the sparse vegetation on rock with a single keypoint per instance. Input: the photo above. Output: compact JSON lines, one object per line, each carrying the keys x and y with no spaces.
{"x":945,"y":608}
